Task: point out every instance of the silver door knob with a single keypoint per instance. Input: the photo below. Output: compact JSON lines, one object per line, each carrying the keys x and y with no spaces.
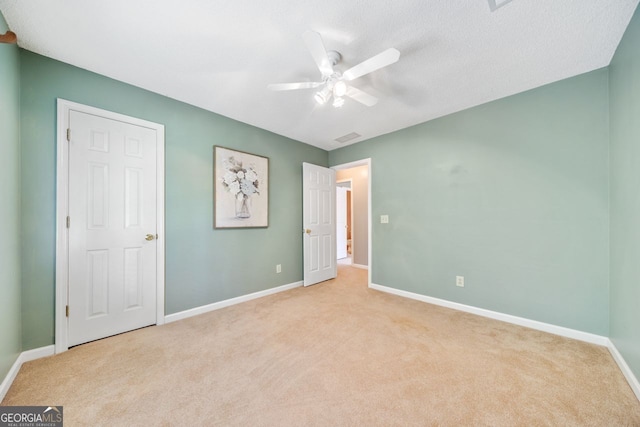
{"x":149,"y":237}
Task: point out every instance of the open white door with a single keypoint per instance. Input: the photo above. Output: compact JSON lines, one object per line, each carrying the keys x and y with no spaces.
{"x":319,"y":222}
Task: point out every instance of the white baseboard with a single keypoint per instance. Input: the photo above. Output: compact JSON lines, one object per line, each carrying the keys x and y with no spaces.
{"x":626,"y":370}
{"x":25,"y":356}
{"x":364,"y":267}
{"x":533,"y":324}
{"x":228,"y":302}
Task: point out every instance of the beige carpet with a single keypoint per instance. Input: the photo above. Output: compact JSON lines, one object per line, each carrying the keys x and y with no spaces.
{"x":335,"y":354}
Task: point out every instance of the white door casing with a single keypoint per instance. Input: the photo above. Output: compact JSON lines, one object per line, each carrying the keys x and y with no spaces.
{"x":363,"y":162}
{"x":110,"y":268}
{"x":341,"y":222}
{"x":319,"y":223}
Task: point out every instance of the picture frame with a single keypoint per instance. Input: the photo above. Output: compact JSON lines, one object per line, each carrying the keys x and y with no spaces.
{"x":240,"y":189}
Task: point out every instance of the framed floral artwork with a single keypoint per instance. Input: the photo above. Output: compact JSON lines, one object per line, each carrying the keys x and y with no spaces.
{"x":240,"y":189}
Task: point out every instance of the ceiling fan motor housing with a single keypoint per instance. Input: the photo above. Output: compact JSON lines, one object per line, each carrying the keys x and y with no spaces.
{"x":333,"y":57}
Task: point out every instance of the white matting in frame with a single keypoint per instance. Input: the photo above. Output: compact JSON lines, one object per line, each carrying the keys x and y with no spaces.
{"x":241,"y":189}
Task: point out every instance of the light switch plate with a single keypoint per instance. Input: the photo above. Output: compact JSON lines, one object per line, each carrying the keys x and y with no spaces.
{"x":384,"y":219}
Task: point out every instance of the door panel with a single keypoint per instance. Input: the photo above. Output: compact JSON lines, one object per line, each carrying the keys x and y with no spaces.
{"x":98,"y":283}
{"x":112,"y":208}
{"x":133,"y":197}
{"x":133,"y":278}
{"x":319,"y":220}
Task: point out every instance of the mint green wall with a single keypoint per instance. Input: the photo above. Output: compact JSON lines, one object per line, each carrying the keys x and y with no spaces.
{"x":624,"y":89}
{"x":203,"y":265}
{"x":10,"y":324}
{"x":512,"y":194}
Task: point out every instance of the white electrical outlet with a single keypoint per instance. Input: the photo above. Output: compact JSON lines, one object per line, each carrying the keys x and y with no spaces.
{"x":460,"y":281}
{"x":278,"y":268}
{"x":384,"y":219}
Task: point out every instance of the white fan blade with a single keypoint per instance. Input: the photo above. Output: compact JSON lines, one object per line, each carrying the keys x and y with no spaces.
{"x":361,"y":97}
{"x":374,"y":63}
{"x":315,"y":45}
{"x":294,"y":86}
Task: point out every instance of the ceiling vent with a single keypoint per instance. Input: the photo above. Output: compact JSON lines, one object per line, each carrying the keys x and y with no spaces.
{"x":348,"y":137}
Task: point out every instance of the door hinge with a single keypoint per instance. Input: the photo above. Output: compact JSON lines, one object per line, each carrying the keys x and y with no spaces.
{"x":68,"y":222}
{"x":68,"y":134}
{"x":67,"y":310}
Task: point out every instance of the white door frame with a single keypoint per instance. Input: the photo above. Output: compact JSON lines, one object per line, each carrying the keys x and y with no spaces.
{"x":64,"y":108}
{"x":363,"y":162}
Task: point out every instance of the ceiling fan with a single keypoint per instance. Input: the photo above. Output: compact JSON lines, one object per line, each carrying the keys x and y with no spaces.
{"x":335,"y":84}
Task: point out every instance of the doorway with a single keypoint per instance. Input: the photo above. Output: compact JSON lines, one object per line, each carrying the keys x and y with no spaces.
{"x":359,"y":174}
{"x":344,"y":221}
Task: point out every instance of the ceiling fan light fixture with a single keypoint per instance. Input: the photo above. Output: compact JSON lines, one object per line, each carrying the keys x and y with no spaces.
{"x":321,"y":97}
{"x":338,"y":102}
{"x":339,"y":89}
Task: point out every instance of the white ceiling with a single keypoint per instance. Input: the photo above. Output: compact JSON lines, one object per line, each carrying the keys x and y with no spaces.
{"x":220,"y":55}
